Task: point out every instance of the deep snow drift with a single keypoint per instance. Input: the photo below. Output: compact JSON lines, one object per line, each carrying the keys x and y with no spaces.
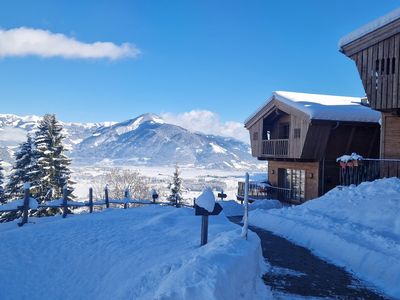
{"x":355,"y":227}
{"x":139,"y":253}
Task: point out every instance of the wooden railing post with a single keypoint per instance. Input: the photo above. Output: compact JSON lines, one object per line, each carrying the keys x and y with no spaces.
{"x":106,"y":197}
{"x":90,"y":200}
{"x":126,"y":196}
{"x":65,"y":201}
{"x":26,"y":205}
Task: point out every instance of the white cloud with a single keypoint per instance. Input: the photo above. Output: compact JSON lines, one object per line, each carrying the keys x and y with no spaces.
{"x":208,"y":122}
{"x":29,"y":41}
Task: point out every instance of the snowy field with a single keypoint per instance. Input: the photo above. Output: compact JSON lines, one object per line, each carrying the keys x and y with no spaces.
{"x":194,"y":179}
{"x":354,"y":227}
{"x":139,"y":253}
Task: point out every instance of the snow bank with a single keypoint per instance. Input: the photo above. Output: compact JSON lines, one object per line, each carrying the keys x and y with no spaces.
{"x":141,"y":253}
{"x":354,"y":227}
{"x":231,"y":208}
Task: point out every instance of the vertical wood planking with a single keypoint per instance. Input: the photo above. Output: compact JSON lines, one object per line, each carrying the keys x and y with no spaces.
{"x":384,"y":76}
{"x":375,"y":79}
{"x":380,"y":78}
{"x":389,"y":96}
{"x":370,"y":72}
{"x":364,"y":68}
{"x":395,"y":101}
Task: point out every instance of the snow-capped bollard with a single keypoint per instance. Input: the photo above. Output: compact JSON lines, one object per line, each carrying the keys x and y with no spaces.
{"x":65,"y":201}
{"x":90,"y":200}
{"x":205,"y":206}
{"x":26,"y":204}
{"x":107,"y":201}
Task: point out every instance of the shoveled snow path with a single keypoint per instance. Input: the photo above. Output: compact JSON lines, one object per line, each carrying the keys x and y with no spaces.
{"x":138,"y":253}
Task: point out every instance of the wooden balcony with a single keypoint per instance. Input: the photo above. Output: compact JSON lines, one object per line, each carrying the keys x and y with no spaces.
{"x":275,"y":148}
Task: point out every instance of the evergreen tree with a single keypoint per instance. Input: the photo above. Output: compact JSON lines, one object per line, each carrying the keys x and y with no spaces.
{"x":2,"y":194}
{"x":176,"y":186}
{"x":52,"y":163}
{"x":24,"y":170}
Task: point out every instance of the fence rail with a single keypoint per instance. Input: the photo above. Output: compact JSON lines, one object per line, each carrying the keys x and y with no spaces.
{"x":28,"y":203}
{"x":368,"y":169}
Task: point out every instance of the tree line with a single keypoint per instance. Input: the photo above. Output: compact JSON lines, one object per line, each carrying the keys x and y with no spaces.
{"x":41,"y":161}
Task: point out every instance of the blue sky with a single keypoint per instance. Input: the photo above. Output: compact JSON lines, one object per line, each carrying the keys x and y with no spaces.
{"x":220,"y":56}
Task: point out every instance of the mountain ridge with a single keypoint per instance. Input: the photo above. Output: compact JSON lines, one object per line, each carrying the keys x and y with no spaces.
{"x":145,"y":140}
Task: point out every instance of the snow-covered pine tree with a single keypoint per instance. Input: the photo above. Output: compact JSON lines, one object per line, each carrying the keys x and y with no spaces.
{"x":176,"y":186}
{"x":2,"y":194}
{"x":53,"y":164}
{"x":23,"y":170}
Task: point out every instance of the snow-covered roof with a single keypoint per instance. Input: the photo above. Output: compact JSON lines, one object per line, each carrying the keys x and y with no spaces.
{"x":370,"y":27}
{"x":325,"y":107}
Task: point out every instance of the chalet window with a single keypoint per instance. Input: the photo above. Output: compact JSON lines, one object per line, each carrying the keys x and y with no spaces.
{"x":377,"y":66}
{"x":284,"y":131}
{"x":255,"y":136}
{"x":296,"y":133}
{"x":393,"y":65}
{"x":382,"y":66}
{"x":292,"y":184}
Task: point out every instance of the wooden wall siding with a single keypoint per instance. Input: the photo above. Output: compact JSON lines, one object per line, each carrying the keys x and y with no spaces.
{"x":378,"y":66}
{"x":311,"y":184}
{"x":390,"y":137}
{"x":347,"y":139}
{"x":256,"y":144}
{"x":315,"y":141}
{"x":296,"y":144}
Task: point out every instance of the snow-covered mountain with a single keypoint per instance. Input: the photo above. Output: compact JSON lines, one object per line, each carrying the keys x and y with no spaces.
{"x":145,"y":140}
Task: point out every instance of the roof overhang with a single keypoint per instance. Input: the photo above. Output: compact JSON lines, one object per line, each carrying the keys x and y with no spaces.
{"x":273,"y":106}
{"x":370,"y":38}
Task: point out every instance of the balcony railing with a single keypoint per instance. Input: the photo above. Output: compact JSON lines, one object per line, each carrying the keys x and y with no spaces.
{"x":275,"y":147}
{"x":367,"y":169}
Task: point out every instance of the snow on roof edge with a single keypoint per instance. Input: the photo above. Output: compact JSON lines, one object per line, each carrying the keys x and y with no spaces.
{"x":324,"y":107}
{"x":369,"y":27}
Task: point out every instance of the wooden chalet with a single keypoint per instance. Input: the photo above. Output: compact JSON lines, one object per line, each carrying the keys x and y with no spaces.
{"x":375,"y":49}
{"x":301,"y":135}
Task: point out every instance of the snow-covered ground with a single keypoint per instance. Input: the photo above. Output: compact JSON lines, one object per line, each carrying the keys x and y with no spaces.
{"x":354,"y":227}
{"x":194,"y":179}
{"x":232,"y":208}
{"x":151,"y":252}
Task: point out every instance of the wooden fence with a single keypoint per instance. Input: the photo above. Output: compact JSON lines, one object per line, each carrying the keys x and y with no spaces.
{"x":29,"y":203}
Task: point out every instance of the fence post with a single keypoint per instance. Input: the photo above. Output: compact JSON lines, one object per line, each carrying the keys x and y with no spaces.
{"x":204,"y":229}
{"x":65,"y":201}
{"x":126,"y":196}
{"x":106,"y":197}
{"x":246,"y":207}
{"x":90,"y":200}
{"x":26,"y":205}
